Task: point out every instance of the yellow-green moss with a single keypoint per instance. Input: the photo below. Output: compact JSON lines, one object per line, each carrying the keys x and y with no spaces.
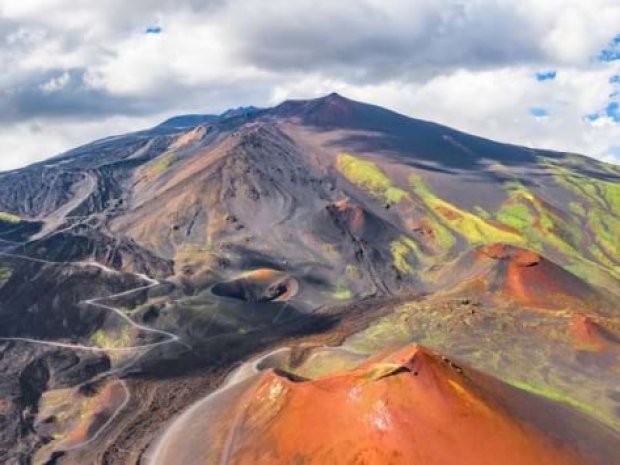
{"x":597,"y":208}
{"x":557,"y":396}
{"x":526,"y":213}
{"x":515,"y":215}
{"x":607,"y":230}
{"x":161,"y":164}
{"x":342,"y":292}
{"x":9,"y":217}
{"x":368,"y":176}
{"x":443,"y":238}
{"x":112,"y":339}
{"x":402,"y":249}
{"x":474,"y":229}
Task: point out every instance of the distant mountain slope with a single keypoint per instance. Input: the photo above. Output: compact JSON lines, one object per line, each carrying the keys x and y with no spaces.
{"x":441,"y":189}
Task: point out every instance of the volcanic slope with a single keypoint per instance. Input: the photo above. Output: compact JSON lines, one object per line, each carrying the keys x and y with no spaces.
{"x":379,"y":197}
{"x":324,"y":220}
{"x":411,"y":406}
{"x":376,"y":197}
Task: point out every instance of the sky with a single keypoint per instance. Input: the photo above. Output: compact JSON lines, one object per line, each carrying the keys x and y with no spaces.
{"x":540,"y":73}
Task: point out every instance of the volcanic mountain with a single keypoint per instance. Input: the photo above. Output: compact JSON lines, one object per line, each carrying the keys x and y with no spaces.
{"x":146,"y":265}
{"x":411,"y":407}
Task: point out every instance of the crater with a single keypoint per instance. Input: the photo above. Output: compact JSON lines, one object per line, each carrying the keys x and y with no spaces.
{"x":262,"y":285}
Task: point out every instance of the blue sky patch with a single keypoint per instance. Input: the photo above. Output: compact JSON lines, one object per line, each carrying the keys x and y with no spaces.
{"x":539,"y":112}
{"x":614,"y":151}
{"x":613,"y":111}
{"x":153,"y":30}
{"x":615,"y":79}
{"x":611,"y":52}
{"x":546,"y":75}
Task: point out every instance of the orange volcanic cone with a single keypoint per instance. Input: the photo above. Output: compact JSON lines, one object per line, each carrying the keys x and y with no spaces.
{"x":411,"y":407}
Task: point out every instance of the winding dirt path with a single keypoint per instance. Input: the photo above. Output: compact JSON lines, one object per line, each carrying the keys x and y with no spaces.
{"x":96,"y":302}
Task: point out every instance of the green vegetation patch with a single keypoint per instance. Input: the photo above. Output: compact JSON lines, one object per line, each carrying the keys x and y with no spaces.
{"x":161,"y":164}
{"x":597,"y":207}
{"x":516,"y":215}
{"x":475,"y":229}
{"x":557,"y":396}
{"x":342,"y":292}
{"x":112,"y":339}
{"x":9,"y":218}
{"x":401,"y":249}
{"x":442,"y":236}
{"x":368,"y":176}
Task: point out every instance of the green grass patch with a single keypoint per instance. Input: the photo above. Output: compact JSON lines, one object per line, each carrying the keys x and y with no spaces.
{"x":368,"y":176}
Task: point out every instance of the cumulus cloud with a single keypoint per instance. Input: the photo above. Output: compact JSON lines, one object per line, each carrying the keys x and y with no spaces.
{"x":80,"y":69}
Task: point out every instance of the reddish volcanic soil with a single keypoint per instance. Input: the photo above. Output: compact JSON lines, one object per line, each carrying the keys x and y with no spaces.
{"x":350,"y":214}
{"x":589,"y":335}
{"x":532,"y":280}
{"x":262,"y":284}
{"x":411,"y":407}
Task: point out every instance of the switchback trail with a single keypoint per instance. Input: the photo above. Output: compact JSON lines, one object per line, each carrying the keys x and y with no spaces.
{"x":169,"y":337}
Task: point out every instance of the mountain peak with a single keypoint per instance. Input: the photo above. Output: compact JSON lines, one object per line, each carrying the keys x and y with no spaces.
{"x":333,"y":96}
{"x":337,"y":111}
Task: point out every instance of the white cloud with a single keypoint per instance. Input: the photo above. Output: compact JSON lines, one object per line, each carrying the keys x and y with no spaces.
{"x":56,"y":84}
{"x":38,"y":139}
{"x":81,"y":69}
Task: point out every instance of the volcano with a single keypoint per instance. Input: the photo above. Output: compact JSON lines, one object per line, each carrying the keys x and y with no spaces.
{"x":411,"y":406}
{"x":156,"y":261}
